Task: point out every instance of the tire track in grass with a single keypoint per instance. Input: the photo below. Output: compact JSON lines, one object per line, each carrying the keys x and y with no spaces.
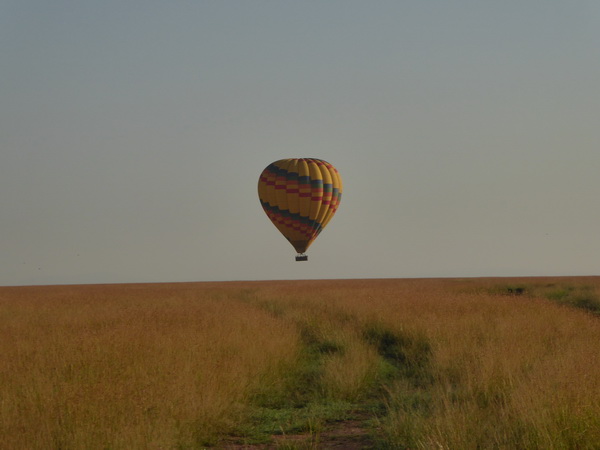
{"x":299,"y":413}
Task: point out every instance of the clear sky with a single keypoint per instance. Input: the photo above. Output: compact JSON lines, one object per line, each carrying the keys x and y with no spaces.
{"x":132,"y":135}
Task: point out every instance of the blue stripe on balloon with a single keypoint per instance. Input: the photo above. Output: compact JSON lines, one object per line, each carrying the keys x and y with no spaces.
{"x":316,"y":226}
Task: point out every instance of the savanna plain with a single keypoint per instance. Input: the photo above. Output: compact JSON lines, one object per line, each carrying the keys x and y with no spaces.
{"x":390,"y":363}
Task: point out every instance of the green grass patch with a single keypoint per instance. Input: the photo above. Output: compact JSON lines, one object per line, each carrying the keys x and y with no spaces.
{"x":511,"y":289}
{"x":405,"y":355}
{"x":578,"y":296}
{"x":297,"y":400}
{"x":294,"y":401}
{"x":261,"y":423}
{"x":582,"y":296}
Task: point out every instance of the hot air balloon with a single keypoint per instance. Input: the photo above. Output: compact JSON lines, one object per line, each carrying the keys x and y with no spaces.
{"x":300,"y":196}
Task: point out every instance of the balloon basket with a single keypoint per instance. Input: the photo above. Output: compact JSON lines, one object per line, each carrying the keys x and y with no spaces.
{"x":301,"y":257}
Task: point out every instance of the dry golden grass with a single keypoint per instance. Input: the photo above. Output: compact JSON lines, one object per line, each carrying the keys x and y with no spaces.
{"x":129,"y":366}
{"x":181,"y":365}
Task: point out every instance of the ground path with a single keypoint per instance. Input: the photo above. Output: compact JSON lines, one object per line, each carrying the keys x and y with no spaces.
{"x":352,"y":434}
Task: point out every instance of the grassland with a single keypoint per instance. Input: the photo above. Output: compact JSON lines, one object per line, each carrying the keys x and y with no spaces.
{"x":430,"y":363}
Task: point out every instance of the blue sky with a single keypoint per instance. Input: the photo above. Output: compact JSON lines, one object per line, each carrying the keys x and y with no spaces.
{"x":132,"y":135}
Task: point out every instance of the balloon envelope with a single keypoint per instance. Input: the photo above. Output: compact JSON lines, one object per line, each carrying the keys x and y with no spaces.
{"x":300,"y":196}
